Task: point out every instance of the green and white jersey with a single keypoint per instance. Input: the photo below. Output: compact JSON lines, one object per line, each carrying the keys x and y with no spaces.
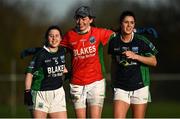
{"x":47,"y":69}
{"x":126,"y":73}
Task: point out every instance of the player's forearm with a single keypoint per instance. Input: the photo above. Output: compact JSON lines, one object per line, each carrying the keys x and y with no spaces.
{"x":28,"y":81}
{"x":151,"y":61}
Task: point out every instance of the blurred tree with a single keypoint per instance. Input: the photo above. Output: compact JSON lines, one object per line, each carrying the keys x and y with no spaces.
{"x":22,"y":26}
{"x":17,"y":32}
{"x":164,"y":18}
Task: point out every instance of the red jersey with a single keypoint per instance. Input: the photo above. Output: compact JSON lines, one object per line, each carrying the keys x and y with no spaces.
{"x":87,"y":57}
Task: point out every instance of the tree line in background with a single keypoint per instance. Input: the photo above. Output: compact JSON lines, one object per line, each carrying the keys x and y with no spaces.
{"x":17,"y":31}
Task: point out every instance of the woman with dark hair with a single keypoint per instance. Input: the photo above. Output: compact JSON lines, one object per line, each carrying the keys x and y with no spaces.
{"x":44,"y":92}
{"x":132,"y":54}
{"x":87,"y":84}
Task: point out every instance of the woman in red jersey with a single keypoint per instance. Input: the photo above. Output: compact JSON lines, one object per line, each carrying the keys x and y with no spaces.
{"x":87,"y":85}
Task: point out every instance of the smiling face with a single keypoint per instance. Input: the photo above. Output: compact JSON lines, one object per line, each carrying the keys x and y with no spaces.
{"x":54,"y":38}
{"x":127,"y":25}
{"x":83,"y":23}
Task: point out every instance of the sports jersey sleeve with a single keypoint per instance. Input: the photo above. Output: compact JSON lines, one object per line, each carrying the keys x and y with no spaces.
{"x":30,"y":67}
{"x":65,"y":41}
{"x":105,"y":35}
{"x":110,"y":46}
{"x":35,"y":63}
{"x":149,"y":48}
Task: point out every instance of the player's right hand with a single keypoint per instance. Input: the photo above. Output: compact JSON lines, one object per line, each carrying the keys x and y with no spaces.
{"x":28,"y":98}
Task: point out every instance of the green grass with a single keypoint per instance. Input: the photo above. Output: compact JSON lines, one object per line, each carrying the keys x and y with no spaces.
{"x":164,"y":110}
{"x":155,"y":110}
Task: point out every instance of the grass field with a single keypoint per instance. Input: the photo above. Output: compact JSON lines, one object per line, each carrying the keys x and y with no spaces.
{"x":166,"y":101}
{"x":155,"y":110}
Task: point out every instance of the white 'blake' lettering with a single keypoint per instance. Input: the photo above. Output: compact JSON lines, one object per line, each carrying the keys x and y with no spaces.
{"x":56,"y":69}
{"x":85,"y":51}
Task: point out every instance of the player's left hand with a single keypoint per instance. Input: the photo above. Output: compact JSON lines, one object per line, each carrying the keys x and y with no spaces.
{"x":153,"y":32}
{"x":28,"y":98}
{"x":147,"y":30}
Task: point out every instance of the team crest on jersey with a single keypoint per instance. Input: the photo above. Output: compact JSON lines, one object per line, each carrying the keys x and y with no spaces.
{"x":135,"y":49}
{"x":92,"y":40}
{"x":62,"y":58}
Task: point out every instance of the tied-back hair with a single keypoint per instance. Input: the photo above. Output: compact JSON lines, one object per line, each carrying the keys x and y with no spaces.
{"x":126,"y":13}
{"x":47,"y":33}
{"x":122,"y":16}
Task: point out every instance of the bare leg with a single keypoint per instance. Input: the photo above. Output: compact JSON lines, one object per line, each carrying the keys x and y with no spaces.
{"x":120,"y":109}
{"x":62,"y":114}
{"x":139,"y":110}
{"x":39,"y":114}
{"x":81,"y":113}
{"x":95,"y":111}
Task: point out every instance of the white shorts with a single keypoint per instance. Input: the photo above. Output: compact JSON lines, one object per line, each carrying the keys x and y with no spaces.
{"x":139,"y":96}
{"x":94,"y":93}
{"x":49,"y":101}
